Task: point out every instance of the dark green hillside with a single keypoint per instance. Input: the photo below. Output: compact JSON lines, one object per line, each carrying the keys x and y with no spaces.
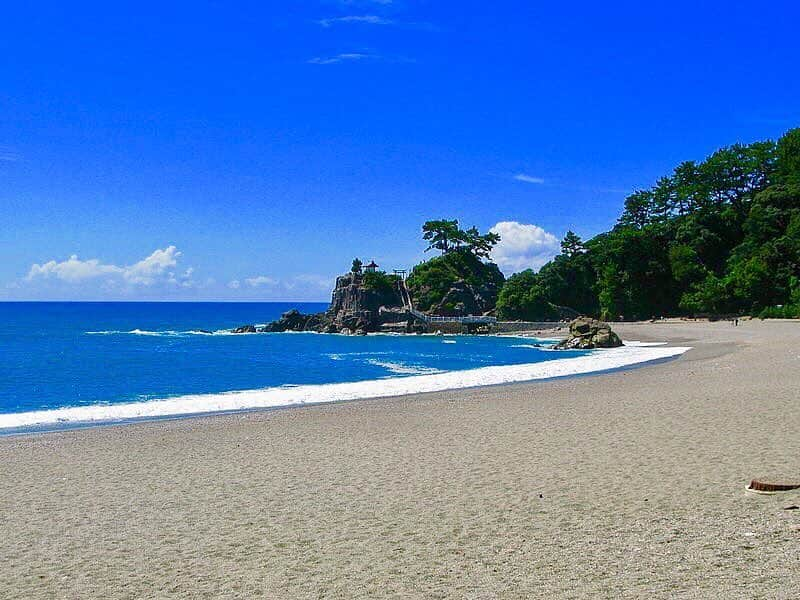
{"x":715,"y":237}
{"x":459,"y":281}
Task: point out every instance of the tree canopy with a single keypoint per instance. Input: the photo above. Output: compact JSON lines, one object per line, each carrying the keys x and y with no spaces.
{"x":720,"y":236}
{"x":446,"y":236}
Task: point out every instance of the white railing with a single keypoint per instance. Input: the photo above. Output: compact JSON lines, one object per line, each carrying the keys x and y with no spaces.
{"x":406,"y":296}
{"x":467,"y":319}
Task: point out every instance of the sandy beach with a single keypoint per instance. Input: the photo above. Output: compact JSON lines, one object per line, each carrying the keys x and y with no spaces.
{"x":626,"y":484}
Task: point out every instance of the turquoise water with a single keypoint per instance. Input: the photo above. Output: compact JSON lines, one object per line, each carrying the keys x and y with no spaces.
{"x":56,"y":355}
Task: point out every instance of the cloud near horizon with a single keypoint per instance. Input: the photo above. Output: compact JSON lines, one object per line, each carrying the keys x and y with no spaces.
{"x":260,"y":281}
{"x":299,"y":283}
{"x":157,"y":268}
{"x":523,"y":246}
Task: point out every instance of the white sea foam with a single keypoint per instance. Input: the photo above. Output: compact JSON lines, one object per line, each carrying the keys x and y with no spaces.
{"x":311,"y":394}
{"x":163,"y":333}
{"x":404,"y":369}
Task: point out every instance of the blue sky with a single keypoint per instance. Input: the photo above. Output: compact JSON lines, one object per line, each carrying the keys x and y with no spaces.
{"x":210,"y":151}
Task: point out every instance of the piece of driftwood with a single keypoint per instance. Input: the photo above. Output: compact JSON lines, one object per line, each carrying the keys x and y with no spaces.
{"x":769,"y":488}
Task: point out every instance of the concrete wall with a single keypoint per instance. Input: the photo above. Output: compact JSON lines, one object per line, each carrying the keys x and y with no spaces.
{"x":515,"y":326}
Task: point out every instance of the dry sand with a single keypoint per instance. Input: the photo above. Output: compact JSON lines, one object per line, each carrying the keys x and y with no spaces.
{"x":629,"y":484}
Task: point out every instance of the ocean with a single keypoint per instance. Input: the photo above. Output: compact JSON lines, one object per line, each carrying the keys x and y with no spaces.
{"x":65,"y":364}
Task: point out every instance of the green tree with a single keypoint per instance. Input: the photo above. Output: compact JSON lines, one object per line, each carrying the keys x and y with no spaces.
{"x":524,"y":298}
{"x":480,"y":245}
{"x":442,"y":235}
{"x":572,"y":245}
{"x":720,"y":235}
{"x":357,"y":264}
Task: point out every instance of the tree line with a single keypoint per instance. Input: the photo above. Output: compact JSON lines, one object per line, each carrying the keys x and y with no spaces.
{"x":721,"y":236}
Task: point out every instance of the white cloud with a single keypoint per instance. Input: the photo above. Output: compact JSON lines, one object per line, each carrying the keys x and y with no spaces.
{"x":528,"y":178}
{"x":313,"y":281}
{"x":146,"y":271}
{"x":234,"y":284}
{"x":72,"y":270}
{"x":155,"y":268}
{"x":523,"y":246}
{"x":340,"y":58}
{"x":365,"y":19}
{"x":260,"y":281}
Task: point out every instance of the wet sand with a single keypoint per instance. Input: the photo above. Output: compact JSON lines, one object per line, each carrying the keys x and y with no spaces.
{"x":627,"y":484}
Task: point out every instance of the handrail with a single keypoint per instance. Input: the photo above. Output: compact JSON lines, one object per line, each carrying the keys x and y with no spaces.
{"x":406,"y":297}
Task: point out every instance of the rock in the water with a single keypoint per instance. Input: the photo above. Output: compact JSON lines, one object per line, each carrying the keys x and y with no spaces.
{"x":586,"y":333}
{"x":358,"y":304}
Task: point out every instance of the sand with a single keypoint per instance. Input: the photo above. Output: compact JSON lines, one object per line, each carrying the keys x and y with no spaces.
{"x":628,"y":484}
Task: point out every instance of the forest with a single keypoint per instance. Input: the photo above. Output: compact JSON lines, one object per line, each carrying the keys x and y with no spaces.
{"x":712,"y":238}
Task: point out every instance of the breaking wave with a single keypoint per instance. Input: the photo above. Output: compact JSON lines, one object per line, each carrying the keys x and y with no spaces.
{"x":287,"y":395}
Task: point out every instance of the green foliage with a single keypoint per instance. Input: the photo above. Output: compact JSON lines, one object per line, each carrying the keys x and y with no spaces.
{"x":431,"y":280}
{"x":446,"y":236}
{"x":524,"y":298}
{"x":380,"y":282}
{"x":787,"y":311}
{"x":572,"y":245}
{"x":568,"y":281}
{"x":441,"y":235}
{"x":717,"y":236}
{"x":357,"y":264}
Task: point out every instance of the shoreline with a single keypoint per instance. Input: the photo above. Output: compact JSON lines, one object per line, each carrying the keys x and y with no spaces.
{"x":629,"y":483}
{"x":633,"y":354}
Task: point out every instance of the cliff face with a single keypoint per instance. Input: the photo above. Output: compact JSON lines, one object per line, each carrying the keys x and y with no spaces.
{"x":360,"y":303}
{"x":354,"y":293}
{"x":363,"y":302}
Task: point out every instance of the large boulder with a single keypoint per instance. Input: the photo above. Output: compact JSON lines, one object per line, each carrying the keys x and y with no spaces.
{"x":586,"y":333}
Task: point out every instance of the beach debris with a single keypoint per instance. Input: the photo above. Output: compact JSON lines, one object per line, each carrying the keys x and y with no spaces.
{"x":586,"y":333}
{"x":763,"y":487}
{"x":792,"y":507}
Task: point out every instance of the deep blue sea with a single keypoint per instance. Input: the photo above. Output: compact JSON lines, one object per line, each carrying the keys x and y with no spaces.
{"x":55,"y":355}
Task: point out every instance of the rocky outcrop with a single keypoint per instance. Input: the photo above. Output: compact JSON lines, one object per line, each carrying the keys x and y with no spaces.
{"x":586,"y":333}
{"x":245,"y":329}
{"x":294,"y":320}
{"x":455,"y":284}
{"x":363,"y":293}
{"x":465,"y":299}
{"x":360,"y":303}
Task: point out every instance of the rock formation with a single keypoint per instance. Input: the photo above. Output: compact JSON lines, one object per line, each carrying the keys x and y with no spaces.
{"x":586,"y":333}
{"x":360,"y":303}
{"x":465,"y":299}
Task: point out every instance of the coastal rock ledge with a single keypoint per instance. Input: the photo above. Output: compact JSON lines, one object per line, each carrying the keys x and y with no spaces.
{"x":586,"y":333}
